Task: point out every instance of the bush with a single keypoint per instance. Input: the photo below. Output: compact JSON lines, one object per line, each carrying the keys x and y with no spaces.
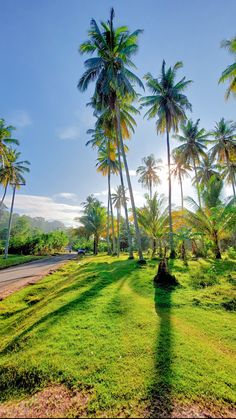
{"x":231,"y":253}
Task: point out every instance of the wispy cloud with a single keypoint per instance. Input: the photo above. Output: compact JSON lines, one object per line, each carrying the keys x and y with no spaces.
{"x":46,"y":207}
{"x":19,"y":119}
{"x":69,"y":133}
{"x":66,"y":196}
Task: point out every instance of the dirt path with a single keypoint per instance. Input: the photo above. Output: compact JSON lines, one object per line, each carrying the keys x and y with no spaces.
{"x":16,"y":277}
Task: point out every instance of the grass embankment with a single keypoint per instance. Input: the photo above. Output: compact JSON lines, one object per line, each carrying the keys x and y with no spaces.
{"x":13,"y":260}
{"x":94,"y":326}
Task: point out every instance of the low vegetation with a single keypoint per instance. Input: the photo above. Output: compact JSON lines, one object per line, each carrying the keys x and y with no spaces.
{"x":16,"y":260}
{"x":98,"y":325}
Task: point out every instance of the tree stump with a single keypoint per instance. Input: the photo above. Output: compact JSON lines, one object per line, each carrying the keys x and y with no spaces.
{"x":163,"y":277}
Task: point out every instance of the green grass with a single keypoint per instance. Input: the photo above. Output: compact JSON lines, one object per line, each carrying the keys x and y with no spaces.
{"x":100,"y":325}
{"x":13,"y":260}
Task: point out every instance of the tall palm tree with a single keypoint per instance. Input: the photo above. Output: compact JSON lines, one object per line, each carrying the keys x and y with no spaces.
{"x":224,"y":146}
{"x":229,"y":74}
{"x":229,"y":174}
{"x":193,"y":146}
{"x":114,"y":80}
{"x":119,"y":202}
{"x":12,"y":172}
{"x":6,"y":140}
{"x":216,"y":218}
{"x":94,"y":220}
{"x":168,"y":105}
{"x":180,"y":171}
{"x":107,"y":164}
{"x":153,"y":217}
{"x":148,"y":173}
{"x":205,"y":170}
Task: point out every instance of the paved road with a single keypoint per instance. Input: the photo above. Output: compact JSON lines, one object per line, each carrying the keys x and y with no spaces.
{"x":15,"y":277}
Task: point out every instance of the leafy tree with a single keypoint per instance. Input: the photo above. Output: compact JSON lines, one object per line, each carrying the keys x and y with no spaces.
{"x":12,"y":171}
{"x":153,"y":217}
{"x":205,"y":170}
{"x":229,"y":74}
{"x":94,"y":219}
{"x":215,"y":219}
{"x":148,"y":173}
{"x":193,"y":146}
{"x":168,"y":105}
{"x":224,"y":147}
{"x":6,"y":141}
{"x":114,"y":80}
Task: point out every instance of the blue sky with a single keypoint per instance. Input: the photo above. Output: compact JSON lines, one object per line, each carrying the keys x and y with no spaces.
{"x":40,"y":67}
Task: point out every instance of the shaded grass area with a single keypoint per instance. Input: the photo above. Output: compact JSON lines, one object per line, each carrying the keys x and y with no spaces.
{"x":100,"y":325}
{"x":13,"y":260}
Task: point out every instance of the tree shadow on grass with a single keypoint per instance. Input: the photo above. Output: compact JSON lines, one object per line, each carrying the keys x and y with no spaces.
{"x":112,"y":273}
{"x":161,"y":392}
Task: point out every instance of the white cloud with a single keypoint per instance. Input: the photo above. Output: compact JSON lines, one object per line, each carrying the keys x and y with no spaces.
{"x":46,"y":207}
{"x":66,"y":195}
{"x":19,"y":119}
{"x":69,"y":133}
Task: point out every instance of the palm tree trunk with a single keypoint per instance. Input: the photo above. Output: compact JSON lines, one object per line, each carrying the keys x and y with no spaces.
{"x":150,"y":188}
{"x":131,"y":256}
{"x":182,"y":194}
{"x":154,"y":247}
{"x":112,"y":218}
{"x":217,"y":246}
{"x":9,"y":224}
{"x":232,"y":176}
{"x":108,"y":222}
{"x":172,"y":250}
{"x":197,"y":184}
{"x":3,"y":197}
{"x":118,"y":231}
{"x":137,"y":232}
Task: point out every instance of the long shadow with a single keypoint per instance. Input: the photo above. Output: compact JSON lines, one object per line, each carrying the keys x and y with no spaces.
{"x":161,"y":392}
{"x":81,"y":302}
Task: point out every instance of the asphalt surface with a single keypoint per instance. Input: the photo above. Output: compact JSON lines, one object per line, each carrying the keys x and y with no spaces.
{"x":15,"y":277}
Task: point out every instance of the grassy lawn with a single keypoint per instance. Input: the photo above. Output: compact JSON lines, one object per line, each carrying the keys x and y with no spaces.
{"x":99,"y":325}
{"x":13,"y":260}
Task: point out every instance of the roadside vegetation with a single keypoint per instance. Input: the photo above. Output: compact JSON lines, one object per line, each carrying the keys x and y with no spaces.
{"x":13,"y":260}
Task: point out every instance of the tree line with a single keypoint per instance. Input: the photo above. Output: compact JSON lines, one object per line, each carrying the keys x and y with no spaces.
{"x":210,"y":155}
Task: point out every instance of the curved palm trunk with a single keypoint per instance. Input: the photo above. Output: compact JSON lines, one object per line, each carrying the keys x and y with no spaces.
{"x":112,"y":217}
{"x":131,"y":256}
{"x":108,"y":223}
{"x":3,"y":197}
{"x":172,"y":250}
{"x":118,"y":231}
{"x":232,"y":176}
{"x":197,"y":184}
{"x":137,"y":232}
{"x":183,"y":249}
{"x":9,"y":224}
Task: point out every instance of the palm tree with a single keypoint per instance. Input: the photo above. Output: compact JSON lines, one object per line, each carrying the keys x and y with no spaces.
{"x":94,"y":220}
{"x":224,"y":148}
{"x":153,"y":217}
{"x":180,"y":171}
{"x":148,"y":173}
{"x":12,"y":172}
{"x":168,"y":105}
{"x":205,"y":170}
{"x":119,"y":202}
{"x":107,"y":164}
{"x":114,"y":80}
{"x":228,"y":174}
{"x":216,"y":218}
{"x":229,"y":74}
{"x":5,"y":140}
{"x":193,"y":147}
